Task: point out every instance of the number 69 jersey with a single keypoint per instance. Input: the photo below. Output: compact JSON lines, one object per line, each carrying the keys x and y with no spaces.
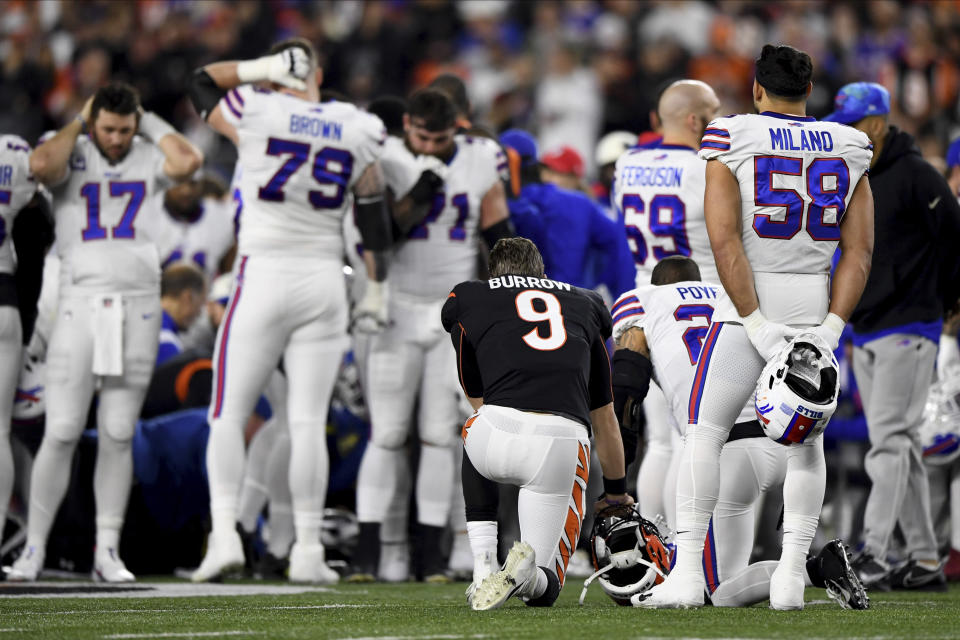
{"x":531,"y":344}
{"x":674,"y":318}
{"x":299,"y":161}
{"x":659,"y":191}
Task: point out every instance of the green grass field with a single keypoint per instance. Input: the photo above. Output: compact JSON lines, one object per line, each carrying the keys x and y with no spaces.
{"x":439,"y":611}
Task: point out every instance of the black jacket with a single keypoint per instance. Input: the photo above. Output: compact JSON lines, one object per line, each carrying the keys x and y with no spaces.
{"x":916,"y":253}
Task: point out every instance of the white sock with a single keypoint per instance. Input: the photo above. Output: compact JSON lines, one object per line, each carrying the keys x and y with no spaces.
{"x":651,"y":478}
{"x":281,"y":529}
{"x":107,"y":539}
{"x":225,"y":462}
{"x":253,"y":494}
{"x":803,"y":490}
{"x":309,"y":473}
{"x":750,"y":586}
{"x":698,"y":486}
{"x":435,"y":485}
{"x":393,"y":529}
{"x":540,"y":585}
{"x":483,"y":541}
{"x":377,"y":482}
{"x":6,"y":474}
{"x":112,"y":479}
{"x":48,"y":485}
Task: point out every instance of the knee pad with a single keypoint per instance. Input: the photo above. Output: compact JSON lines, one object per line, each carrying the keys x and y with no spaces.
{"x":439,"y":435}
{"x":390,"y":439}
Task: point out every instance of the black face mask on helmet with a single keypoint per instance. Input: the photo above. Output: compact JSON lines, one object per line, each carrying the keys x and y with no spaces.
{"x":628,"y":553}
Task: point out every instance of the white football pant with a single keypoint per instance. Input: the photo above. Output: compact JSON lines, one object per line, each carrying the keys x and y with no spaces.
{"x":70,"y":387}
{"x":412,"y":363}
{"x":11,"y":349}
{"x":295,"y":308}
{"x":548,"y":458}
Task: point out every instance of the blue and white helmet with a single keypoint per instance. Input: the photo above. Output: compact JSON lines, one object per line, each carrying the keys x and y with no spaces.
{"x":940,"y":429}
{"x":796,"y":394}
{"x":30,"y":401}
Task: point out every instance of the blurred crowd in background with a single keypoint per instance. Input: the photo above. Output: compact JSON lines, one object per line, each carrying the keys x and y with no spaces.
{"x":569,"y":70}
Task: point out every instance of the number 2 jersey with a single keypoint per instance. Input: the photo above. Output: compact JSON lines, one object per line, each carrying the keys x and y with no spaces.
{"x":531,"y":344}
{"x":299,"y":159}
{"x":442,"y":250}
{"x":659,"y":191}
{"x":17,"y":188}
{"x":674,"y":318}
{"x":103,"y":215}
{"x":796,"y":176}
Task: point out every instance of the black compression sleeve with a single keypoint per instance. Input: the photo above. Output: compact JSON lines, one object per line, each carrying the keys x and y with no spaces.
{"x":204,"y":93}
{"x":427,"y":185}
{"x":32,"y":236}
{"x":481,"y":496}
{"x":631,"y":379}
{"x":502,"y":229}
{"x":373,"y":221}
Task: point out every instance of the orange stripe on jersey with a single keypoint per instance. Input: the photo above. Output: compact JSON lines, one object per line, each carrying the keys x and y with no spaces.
{"x":467,"y":425}
{"x":460,"y":360}
{"x":453,"y":295}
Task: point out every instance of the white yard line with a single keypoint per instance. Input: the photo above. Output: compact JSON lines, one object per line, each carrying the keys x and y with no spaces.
{"x":186,"y":634}
{"x":431,"y":637}
{"x":194,"y":609}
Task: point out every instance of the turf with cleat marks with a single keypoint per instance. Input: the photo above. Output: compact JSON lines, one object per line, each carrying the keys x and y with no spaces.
{"x":420,"y":611}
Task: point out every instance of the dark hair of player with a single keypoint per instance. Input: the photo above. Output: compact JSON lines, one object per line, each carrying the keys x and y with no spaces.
{"x":675,"y":269}
{"x":390,"y":110}
{"x":117,"y":97}
{"x":212,"y":186}
{"x":783,"y":71}
{"x":300,"y":43}
{"x":456,"y":90}
{"x":181,"y":277}
{"x":516,"y":256}
{"x":433,"y":108}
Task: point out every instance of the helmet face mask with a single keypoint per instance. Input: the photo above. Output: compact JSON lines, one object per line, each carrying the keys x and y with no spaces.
{"x":628,"y":554}
{"x":797,"y":392}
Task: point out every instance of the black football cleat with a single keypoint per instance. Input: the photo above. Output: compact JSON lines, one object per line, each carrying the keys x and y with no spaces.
{"x":873,"y":575}
{"x":839,"y":578}
{"x":914,"y":577}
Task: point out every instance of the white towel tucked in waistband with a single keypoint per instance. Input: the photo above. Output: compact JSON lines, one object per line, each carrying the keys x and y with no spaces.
{"x":107,"y":334}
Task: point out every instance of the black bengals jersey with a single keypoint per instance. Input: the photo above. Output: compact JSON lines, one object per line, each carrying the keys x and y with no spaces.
{"x":531,"y":344}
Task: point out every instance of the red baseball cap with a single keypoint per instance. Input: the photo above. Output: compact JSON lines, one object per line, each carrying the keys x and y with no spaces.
{"x":564,"y":160}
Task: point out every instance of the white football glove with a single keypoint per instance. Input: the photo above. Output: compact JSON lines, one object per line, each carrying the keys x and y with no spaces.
{"x":370,"y":315}
{"x":767,"y":337}
{"x":433,"y":163}
{"x":830,"y":330}
{"x":290,"y":68}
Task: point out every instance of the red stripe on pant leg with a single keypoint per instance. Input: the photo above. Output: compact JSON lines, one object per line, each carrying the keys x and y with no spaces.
{"x":224,"y":337}
{"x":699,"y":380}
{"x":710,"y":560}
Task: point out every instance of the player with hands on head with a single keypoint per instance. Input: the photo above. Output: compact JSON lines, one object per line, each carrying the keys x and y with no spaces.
{"x":782,"y":192}
{"x":298,"y":160}
{"x":533,"y":364}
{"x":108,"y":317}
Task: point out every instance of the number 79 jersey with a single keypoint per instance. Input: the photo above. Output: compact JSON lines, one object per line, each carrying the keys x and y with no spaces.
{"x":659,"y":191}
{"x":531,"y":344}
{"x":796,"y":176}
{"x":299,"y":160}
{"x":674,"y":318}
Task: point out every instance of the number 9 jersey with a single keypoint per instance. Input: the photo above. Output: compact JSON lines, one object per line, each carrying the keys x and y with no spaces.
{"x":796,"y":178}
{"x":531,"y":344}
{"x":659,"y":192}
{"x":299,"y":160}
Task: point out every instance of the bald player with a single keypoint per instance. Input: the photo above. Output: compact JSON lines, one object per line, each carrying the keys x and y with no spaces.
{"x":659,"y":193}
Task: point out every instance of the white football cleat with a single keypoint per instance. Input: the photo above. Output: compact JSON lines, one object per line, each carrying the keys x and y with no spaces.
{"x":224,"y":555}
{"x":786,"y":589}
{"x":108,"y":567}
{"x":28,"y":566}
{"x":394,"y":562}
{"x":483,"y":565}
{"x":308,"y":564}
{"x":675,"y":592}
{"x":517,"y":578}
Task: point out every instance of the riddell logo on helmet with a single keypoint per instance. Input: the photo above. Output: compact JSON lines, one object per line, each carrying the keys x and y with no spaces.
{"x":810,"y":413}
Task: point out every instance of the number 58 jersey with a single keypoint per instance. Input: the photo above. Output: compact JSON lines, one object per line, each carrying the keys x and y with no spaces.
{"x":659,"y":191}
{"x":299,"y":159}
{"x":531,"y":344}
{"x":797,"y":176}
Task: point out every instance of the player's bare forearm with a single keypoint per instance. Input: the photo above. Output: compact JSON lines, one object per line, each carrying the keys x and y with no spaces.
{"x":609,"y":445}
{"x":634,"y":339}
{"x":856,"y":252}
{"x":376,"y":263}
{"x":182,"y":157}
{"x":48,"y":162}
{"x":721,"y":209}
{"x":493,"y":206}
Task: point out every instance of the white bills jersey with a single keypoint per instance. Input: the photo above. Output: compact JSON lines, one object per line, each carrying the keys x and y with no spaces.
{"x":17,"y":188}
{"x":299,"y":159}
{"x":659,"y":193}
{"x":202,"y":242}
{"x":674,"y":318}
{"x":796,"y":177}
{"x":441,"y":252}
{"x":103,"y":214}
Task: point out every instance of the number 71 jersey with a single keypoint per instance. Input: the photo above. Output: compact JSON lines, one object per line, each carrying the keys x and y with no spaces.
{"x":796,"y":176}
